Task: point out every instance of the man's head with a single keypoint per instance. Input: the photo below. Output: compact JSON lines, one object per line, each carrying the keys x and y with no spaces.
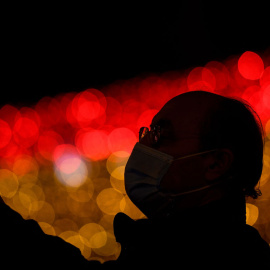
{"x":198,"y":121}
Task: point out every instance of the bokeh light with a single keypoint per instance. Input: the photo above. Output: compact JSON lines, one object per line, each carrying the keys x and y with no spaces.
{"x":62,"y":160}
{"x":250,"y":65}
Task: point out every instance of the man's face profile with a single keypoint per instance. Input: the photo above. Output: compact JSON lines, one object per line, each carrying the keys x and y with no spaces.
{"x":181,"y":120}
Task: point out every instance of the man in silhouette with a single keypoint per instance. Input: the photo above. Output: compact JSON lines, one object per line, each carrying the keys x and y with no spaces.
{"x":190,"y":174}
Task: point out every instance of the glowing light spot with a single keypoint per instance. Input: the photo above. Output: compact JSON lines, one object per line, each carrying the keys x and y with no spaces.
{"x":220,"y":72}
{"x":70,"y":169}
{"x":266,"y":169}
{"x":266,"y":95}
{"x":83,"y":193}
{"x":93,"y":235}
{"x":5,"y":133}
{"x":47,"y":142}
{"x":47,"y":228}
{"x":250,"y":65}
{"x":252,"y":213}
{"x":64,"y":224}
{"x":267,"y":129}
{"x":49,"y":111}
{"x":265,"y":78}
{"x":110,"y":248}
{"x":26,"y":132}
{"x":117,"y":160}
{"x":26,"y":166}
{"x":121,"y":139}
{"x":129,"y":208}
{"x":86,"y":107}
{"x":8,"y":183}
{"x":9,"y":114}
{"x":113,"y":111}
{"x":93,"y":144}
{"x":201,"y":78}
{"x":108,"y":200}
{"x":42,"y":211}
{"x":145,"y":118}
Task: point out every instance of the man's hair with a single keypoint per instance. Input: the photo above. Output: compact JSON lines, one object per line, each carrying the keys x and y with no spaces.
{"x":235,"y":125}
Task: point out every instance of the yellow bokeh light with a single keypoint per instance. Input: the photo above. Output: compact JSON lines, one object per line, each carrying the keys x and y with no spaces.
{"x":108,"y":200}
{"x":83,"y":193}
{"x":110,"y":248}
{"x":8,"y":183}
{"x":118,"y":184}
{"x":118,"y":173}
{"x":93,"y":235}
{"x":252,"y":214}
{"x":42,"y":211}
{"x":47,"y":228}
{"x":26,"y":168}
{"x":128,"y":207}
{"x":64,"y":224}
{"x":116,"y":160}
{"x":267,"y":129}
{"x":266,"y":170}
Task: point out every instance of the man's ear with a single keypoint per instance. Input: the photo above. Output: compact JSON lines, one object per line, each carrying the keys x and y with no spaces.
{"x":218,"y":163}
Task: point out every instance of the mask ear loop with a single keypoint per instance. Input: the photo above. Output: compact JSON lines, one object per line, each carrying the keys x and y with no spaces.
{"x":198,"y":154}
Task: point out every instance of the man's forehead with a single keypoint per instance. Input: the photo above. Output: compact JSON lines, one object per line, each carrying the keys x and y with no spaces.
{"x":187,"y":112}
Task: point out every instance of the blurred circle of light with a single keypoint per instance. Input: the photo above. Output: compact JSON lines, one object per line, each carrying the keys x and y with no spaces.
{"x":154,"y":92}
{"x":26,"y":168}
{"x":250,"y":65}
{"x":47,"y":142}
{"x":93,"y":235}
{"x":122,"y":139}
{"x":108,"y":201}
{"x":252,"y":213}
{"x":110,"y":248}
{"x":266,"y":95}
{"x":267,"y":128}
{"x":70,"y":169}
{"x":93,"y":144}
{"x":201,"y":78}
{"x":265,"y":78}
{"x":220,"y":72}
{"x":25,"y":131}
{"x":5,"y":133}
{"x":145,"y":118}
{"x":9,"y":183}
{"x":113,"y":111}
{"x":116,"y":164}
{"x":49,"y":111}
{"x":9,"y":113}
{"x":86,"y":107}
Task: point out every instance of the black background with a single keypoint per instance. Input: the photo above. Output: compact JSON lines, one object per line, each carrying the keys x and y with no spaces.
{"x":49,"y":49}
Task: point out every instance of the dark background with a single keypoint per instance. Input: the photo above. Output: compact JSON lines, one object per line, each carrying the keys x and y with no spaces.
{"x":49,"y":49}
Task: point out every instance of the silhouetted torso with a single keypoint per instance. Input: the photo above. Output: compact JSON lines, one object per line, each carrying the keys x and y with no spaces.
{"x":206,"y":237}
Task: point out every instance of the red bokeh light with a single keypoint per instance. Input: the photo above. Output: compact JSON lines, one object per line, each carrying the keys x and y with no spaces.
{"x":122,"y":139}
{"x":26,"y":132}
{"x":86,"y":107}
{"x":201,"y":78}
{"x":5,"y":133}
{"x":93,"y":144}
{"x":250,"y":65}
{"x":65,"y":152}
{"x":220,"y":72}
{"x":145,"y":118}
{"x":265,"y":78}
{"x":47,"y":142}
{"x":49,"y":111}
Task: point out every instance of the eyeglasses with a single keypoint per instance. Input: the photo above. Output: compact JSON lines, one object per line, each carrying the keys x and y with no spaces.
{"x":154,"y":133}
